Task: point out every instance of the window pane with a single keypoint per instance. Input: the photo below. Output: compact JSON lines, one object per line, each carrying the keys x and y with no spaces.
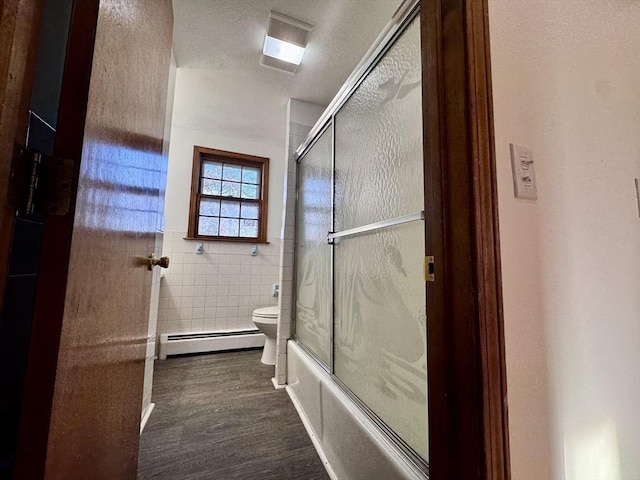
{"x":229,"y":227}
{"x":210,"y":207}
{"x":250,"y":175}
{"x":248,"y":228}
{"x":231,"y":172}
{"x":230,"y":209}
{"x":208,"y":226}
{"x":249,"y":210}
{"x":212,"y":170}
{"x":230,"y":189}
{"x":249,"y":191}
{"x":210,"y":187}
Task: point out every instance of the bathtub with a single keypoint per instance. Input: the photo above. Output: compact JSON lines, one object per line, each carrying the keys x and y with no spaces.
{"x":349,"y":443}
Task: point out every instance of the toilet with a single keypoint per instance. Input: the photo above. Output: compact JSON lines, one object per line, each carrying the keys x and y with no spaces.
{"x":266,"y":319}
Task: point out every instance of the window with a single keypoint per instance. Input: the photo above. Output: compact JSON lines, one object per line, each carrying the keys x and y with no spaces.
{"x":228,"y":196}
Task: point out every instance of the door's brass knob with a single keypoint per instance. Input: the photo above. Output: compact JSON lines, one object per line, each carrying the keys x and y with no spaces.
{"x":162,"y":261}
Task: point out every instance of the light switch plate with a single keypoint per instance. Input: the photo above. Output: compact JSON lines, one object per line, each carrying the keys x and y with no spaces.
{"x":524,"y":173}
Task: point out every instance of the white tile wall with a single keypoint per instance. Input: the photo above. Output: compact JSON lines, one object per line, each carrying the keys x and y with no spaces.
{"x":297,"y":134}
{"x":218,"y":290}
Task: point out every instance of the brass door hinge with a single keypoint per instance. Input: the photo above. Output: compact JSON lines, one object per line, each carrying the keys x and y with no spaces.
{"x":429,"y":269}
{"x":40,"y":184}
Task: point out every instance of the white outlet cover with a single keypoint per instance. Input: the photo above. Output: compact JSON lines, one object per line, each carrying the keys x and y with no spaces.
{"x":524,"y":173}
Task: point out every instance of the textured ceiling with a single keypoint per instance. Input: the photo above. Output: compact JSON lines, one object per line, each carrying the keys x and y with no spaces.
{"x":224,"y":37}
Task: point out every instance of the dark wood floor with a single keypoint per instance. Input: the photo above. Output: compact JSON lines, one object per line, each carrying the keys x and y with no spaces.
{"x":218,"y":417}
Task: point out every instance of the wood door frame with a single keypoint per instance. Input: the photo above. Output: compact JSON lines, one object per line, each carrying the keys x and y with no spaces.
{"x":56,"y":249}
{"x":467,"y":377}
{"x":19,"y":31}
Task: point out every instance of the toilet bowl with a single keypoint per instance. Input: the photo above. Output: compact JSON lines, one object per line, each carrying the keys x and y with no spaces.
{"x":266,"y":319}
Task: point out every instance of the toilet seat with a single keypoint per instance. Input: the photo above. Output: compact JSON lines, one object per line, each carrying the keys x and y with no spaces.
{"x":266,"y":312}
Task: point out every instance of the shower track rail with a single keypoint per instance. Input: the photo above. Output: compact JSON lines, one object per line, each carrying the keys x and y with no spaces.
{"x":376,"y":226}
{"x":403,"y":16}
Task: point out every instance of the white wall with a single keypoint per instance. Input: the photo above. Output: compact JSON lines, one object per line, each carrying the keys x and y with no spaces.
{"x":566,"y":80}
{"x":218,"y":290}
{"x":227,"y":133}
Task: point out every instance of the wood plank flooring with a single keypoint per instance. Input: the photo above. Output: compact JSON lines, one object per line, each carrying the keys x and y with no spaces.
{"x":218,"y":417}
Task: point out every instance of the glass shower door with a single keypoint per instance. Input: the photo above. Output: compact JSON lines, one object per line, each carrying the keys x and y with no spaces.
{"x":313,"y":253}
{"x":380,"y":295}
{"x":360,"y":287}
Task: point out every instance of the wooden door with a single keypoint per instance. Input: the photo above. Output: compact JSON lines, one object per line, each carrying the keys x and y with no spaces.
{"x":83,"y":392}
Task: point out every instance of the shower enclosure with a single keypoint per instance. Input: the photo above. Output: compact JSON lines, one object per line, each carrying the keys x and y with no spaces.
{"x":360,"y":285}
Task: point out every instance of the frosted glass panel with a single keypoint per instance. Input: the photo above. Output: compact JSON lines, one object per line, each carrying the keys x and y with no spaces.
{"x":231,"y":172}
{"x":230,"y":189}
{"x":211,"y":187}
{"x":208,"y":225}
{"x":229,"y":227}
{"x":230,"y":209}
{"x":380,"y":326}
{"x":379,"y":140}
{"x":212,"y":169}
{"x":249,"y":210}
{"x":313,"y":261}
{"x":373,"y":300}
{"x":249,"y":191}
{"x":209,"y":207}
{"x":250,"y":175}
{"x":248,"y":228}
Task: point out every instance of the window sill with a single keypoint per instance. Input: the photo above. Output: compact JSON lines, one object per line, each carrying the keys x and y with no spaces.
{"x":228,"y":240}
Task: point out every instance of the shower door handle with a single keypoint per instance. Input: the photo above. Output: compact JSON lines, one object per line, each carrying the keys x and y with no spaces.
{"x":331,"y":236}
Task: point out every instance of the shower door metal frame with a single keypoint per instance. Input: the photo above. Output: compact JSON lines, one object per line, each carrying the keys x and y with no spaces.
{"x":407,"y":11}
{"x":392,"y":222}
{"x":327,"y":125}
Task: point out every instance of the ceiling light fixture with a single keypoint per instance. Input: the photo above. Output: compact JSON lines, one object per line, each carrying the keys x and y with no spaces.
{"x":285,"y":51}
{"x":284,"y":43}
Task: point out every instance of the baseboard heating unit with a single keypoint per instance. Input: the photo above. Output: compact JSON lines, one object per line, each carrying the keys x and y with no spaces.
{"x":185,"y":343}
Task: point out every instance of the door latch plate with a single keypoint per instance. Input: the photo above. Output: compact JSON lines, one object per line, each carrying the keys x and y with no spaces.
{"x":429,"y":269}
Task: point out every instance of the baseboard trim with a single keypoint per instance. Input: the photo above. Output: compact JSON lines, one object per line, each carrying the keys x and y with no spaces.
{"x":276,"y":385}
{"x":203,"y":342}
{"x":311,"y":433}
